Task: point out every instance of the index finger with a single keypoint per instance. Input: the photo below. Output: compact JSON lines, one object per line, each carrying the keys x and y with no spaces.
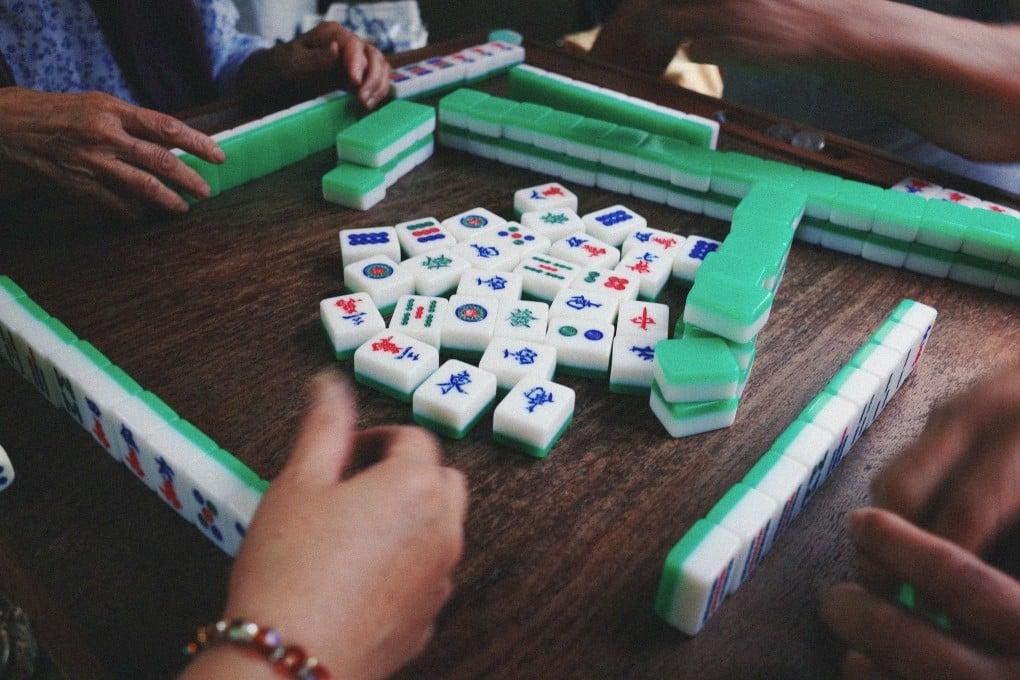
{"x":170,"y":132}
{"x":400,"y":441}
{"x":324,"y":443}
{"x":974,"y":594}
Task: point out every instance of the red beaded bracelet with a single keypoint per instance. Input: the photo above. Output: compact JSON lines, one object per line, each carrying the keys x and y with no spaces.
{"x":289,"y":660}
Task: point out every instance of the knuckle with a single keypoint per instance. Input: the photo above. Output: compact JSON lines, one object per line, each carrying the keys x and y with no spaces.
{"x":168,"y":126}
{"x":151,"y":188}
{"x":164,"y":161}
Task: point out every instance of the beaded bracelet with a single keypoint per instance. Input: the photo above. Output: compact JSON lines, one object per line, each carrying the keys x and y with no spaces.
{"x":289,"y":660}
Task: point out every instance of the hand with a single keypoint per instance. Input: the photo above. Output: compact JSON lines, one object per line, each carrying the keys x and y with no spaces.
{"x":99,"y":148}
{"x":354,"y":570}
{"x":961,"y":478}
{"x":887,"y":641}
{"x":329,"y":50}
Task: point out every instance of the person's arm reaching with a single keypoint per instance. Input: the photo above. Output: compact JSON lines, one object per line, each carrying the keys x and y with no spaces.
{"x":354,"y":570}
{"x":953,"y":80}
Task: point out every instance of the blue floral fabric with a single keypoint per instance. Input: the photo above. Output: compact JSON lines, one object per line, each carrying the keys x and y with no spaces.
{"x":58,"y":46}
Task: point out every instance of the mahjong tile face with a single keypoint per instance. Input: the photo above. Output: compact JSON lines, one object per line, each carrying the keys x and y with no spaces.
{"x":621,"y":285}
{"x":394,"y":363}
{"x":544,"y":276}
{"x":420,"y":317}
{"x":436,"y":273}
{"x":553,"y":223}
{"x":533,"y":416}
{"x":453,"y":399}
{"x":469,"y":323}
{"x":358,"y":244}
{"x":492,"y":284}
{"x":349,"y":320}
{"x":511,"y":359}
{"x":6,"y":470}
{"x":593,"y":304}
{"x":524,"y":242}
{"x":423,"y":235}
{"x":523,"y":320}
{"x":651,"y":267}
{"x":689,"y":259}
{"x":471,"y":224}
{"x":544,"y":197}
{"x":381,"y":278}
{"x":646,"y":320}
{"x":671,"y":244}
{"x":614,"y":224}
{"x":582,"y":346}
{"x":485,"y":254}
{"x":632,"y":364}
{"x":585,"y":250}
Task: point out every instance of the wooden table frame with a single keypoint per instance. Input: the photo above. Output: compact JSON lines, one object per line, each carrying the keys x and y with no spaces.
{"x":217,"y":313}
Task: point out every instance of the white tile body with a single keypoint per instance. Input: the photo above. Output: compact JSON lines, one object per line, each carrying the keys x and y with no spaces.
{"x":534,"y":411}
{"x":632,"y":361}
{"x":581,"y":344}
{"x":6,"y":470}
{"x":492,"y":284}
{"x":396,"y":360}
{"x":544,"y":276}
{"x":423,"y":235}
{"x":646,"y":320}
{"x":586,"y":251}
{"x":554,"y":224}
{"x":622,"y":285}
{"x":349,"y":320}
{"x":482,"y":253}
{"x":651,"y":267}
{"x":690,"y":257}
{"x":471,"y":224}
{"x":358,"y":244}
{"x":522,"y":319}
{"x":750,"y":520}
{"x":511,"y":359}
{"x":436,"y":273}
{"x":469,"y":323}
{"x":667,"y":242}
{"x":517,"y":239}
{"x":420,"y":317}
{"x":381,"y":278}
{"x":786,"y":483}
{"x":576,"y":304}
{"x":701,"y":587}
{"x":455,"y":394}
{"x":544,"y":197}
{"x":614,"y":224}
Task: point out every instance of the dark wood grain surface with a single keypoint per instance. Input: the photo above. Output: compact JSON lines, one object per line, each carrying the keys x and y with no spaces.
{"x":217,"y":313}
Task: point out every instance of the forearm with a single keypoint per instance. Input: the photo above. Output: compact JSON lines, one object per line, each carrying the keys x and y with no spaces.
{"x":953,"y":80}
{"x":228,"y":662}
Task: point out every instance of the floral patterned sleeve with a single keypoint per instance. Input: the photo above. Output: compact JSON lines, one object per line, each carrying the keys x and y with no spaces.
{"x":228,"y":48}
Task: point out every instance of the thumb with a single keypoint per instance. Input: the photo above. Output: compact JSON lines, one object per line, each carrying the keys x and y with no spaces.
{"x":324,"y":442}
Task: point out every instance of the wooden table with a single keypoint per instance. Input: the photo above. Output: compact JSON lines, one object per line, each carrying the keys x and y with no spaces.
{"x":217,"y":312}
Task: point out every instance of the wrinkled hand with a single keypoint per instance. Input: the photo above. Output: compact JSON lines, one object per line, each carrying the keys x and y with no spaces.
{"x":961,"y":478}
{"x":356,"y":570}
{"x":101,"y":149}
{"x":887,"y":641}
{"x":331,"y":51}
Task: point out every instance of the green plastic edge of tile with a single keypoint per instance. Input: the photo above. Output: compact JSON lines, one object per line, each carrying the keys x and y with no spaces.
{"x":530,"y":449}
{"x":672,"y":567}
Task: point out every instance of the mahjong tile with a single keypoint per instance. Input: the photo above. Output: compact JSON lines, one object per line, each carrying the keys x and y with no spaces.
{"x":592,"y":304}
{"x":695,"y":369}
{"x":485,"y":254}
{"x":621,"y":285}
{"x":652,"y":268}
{"x":583,"y":347}
{"x":521,"y":319}
{"x":468,"y":324}
{"x":585,"y":250}
{"x":394,"y":363}
{"x":358,"y":244}
{"x":695,"y":576}
{"x":747,"y":514}
{"x":544,"y":197}
{"x":648,"y":321}
{"x":863,"y":389}
{"x":420,"y":317}
{"x":6,"y":470}
{"x":139,"y":421}
{"x":101,"y":388}
{"x":511,"y":359}
{"x":836,"y":415}
{"x":959,"y":197}
{"x":544,"y":276}
{"x":453,"y":399}
{"x":669,"y":243}
{"x":436,"y":273}
{"x":524,"y":242}
{"x":381,"y":278}
{"x":470,"y":224}
{"x":423,"y":235}
{"x":614,"y":224}
{"x":497,"y":285}
{"x":688,"y":418}
{"x":689,"y":259}
{"x":554,"y":224}
{"x":814,"y":447}
{"x":631,"y":371}
{"x":349,"y":320}
{"x":533,"y":416}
